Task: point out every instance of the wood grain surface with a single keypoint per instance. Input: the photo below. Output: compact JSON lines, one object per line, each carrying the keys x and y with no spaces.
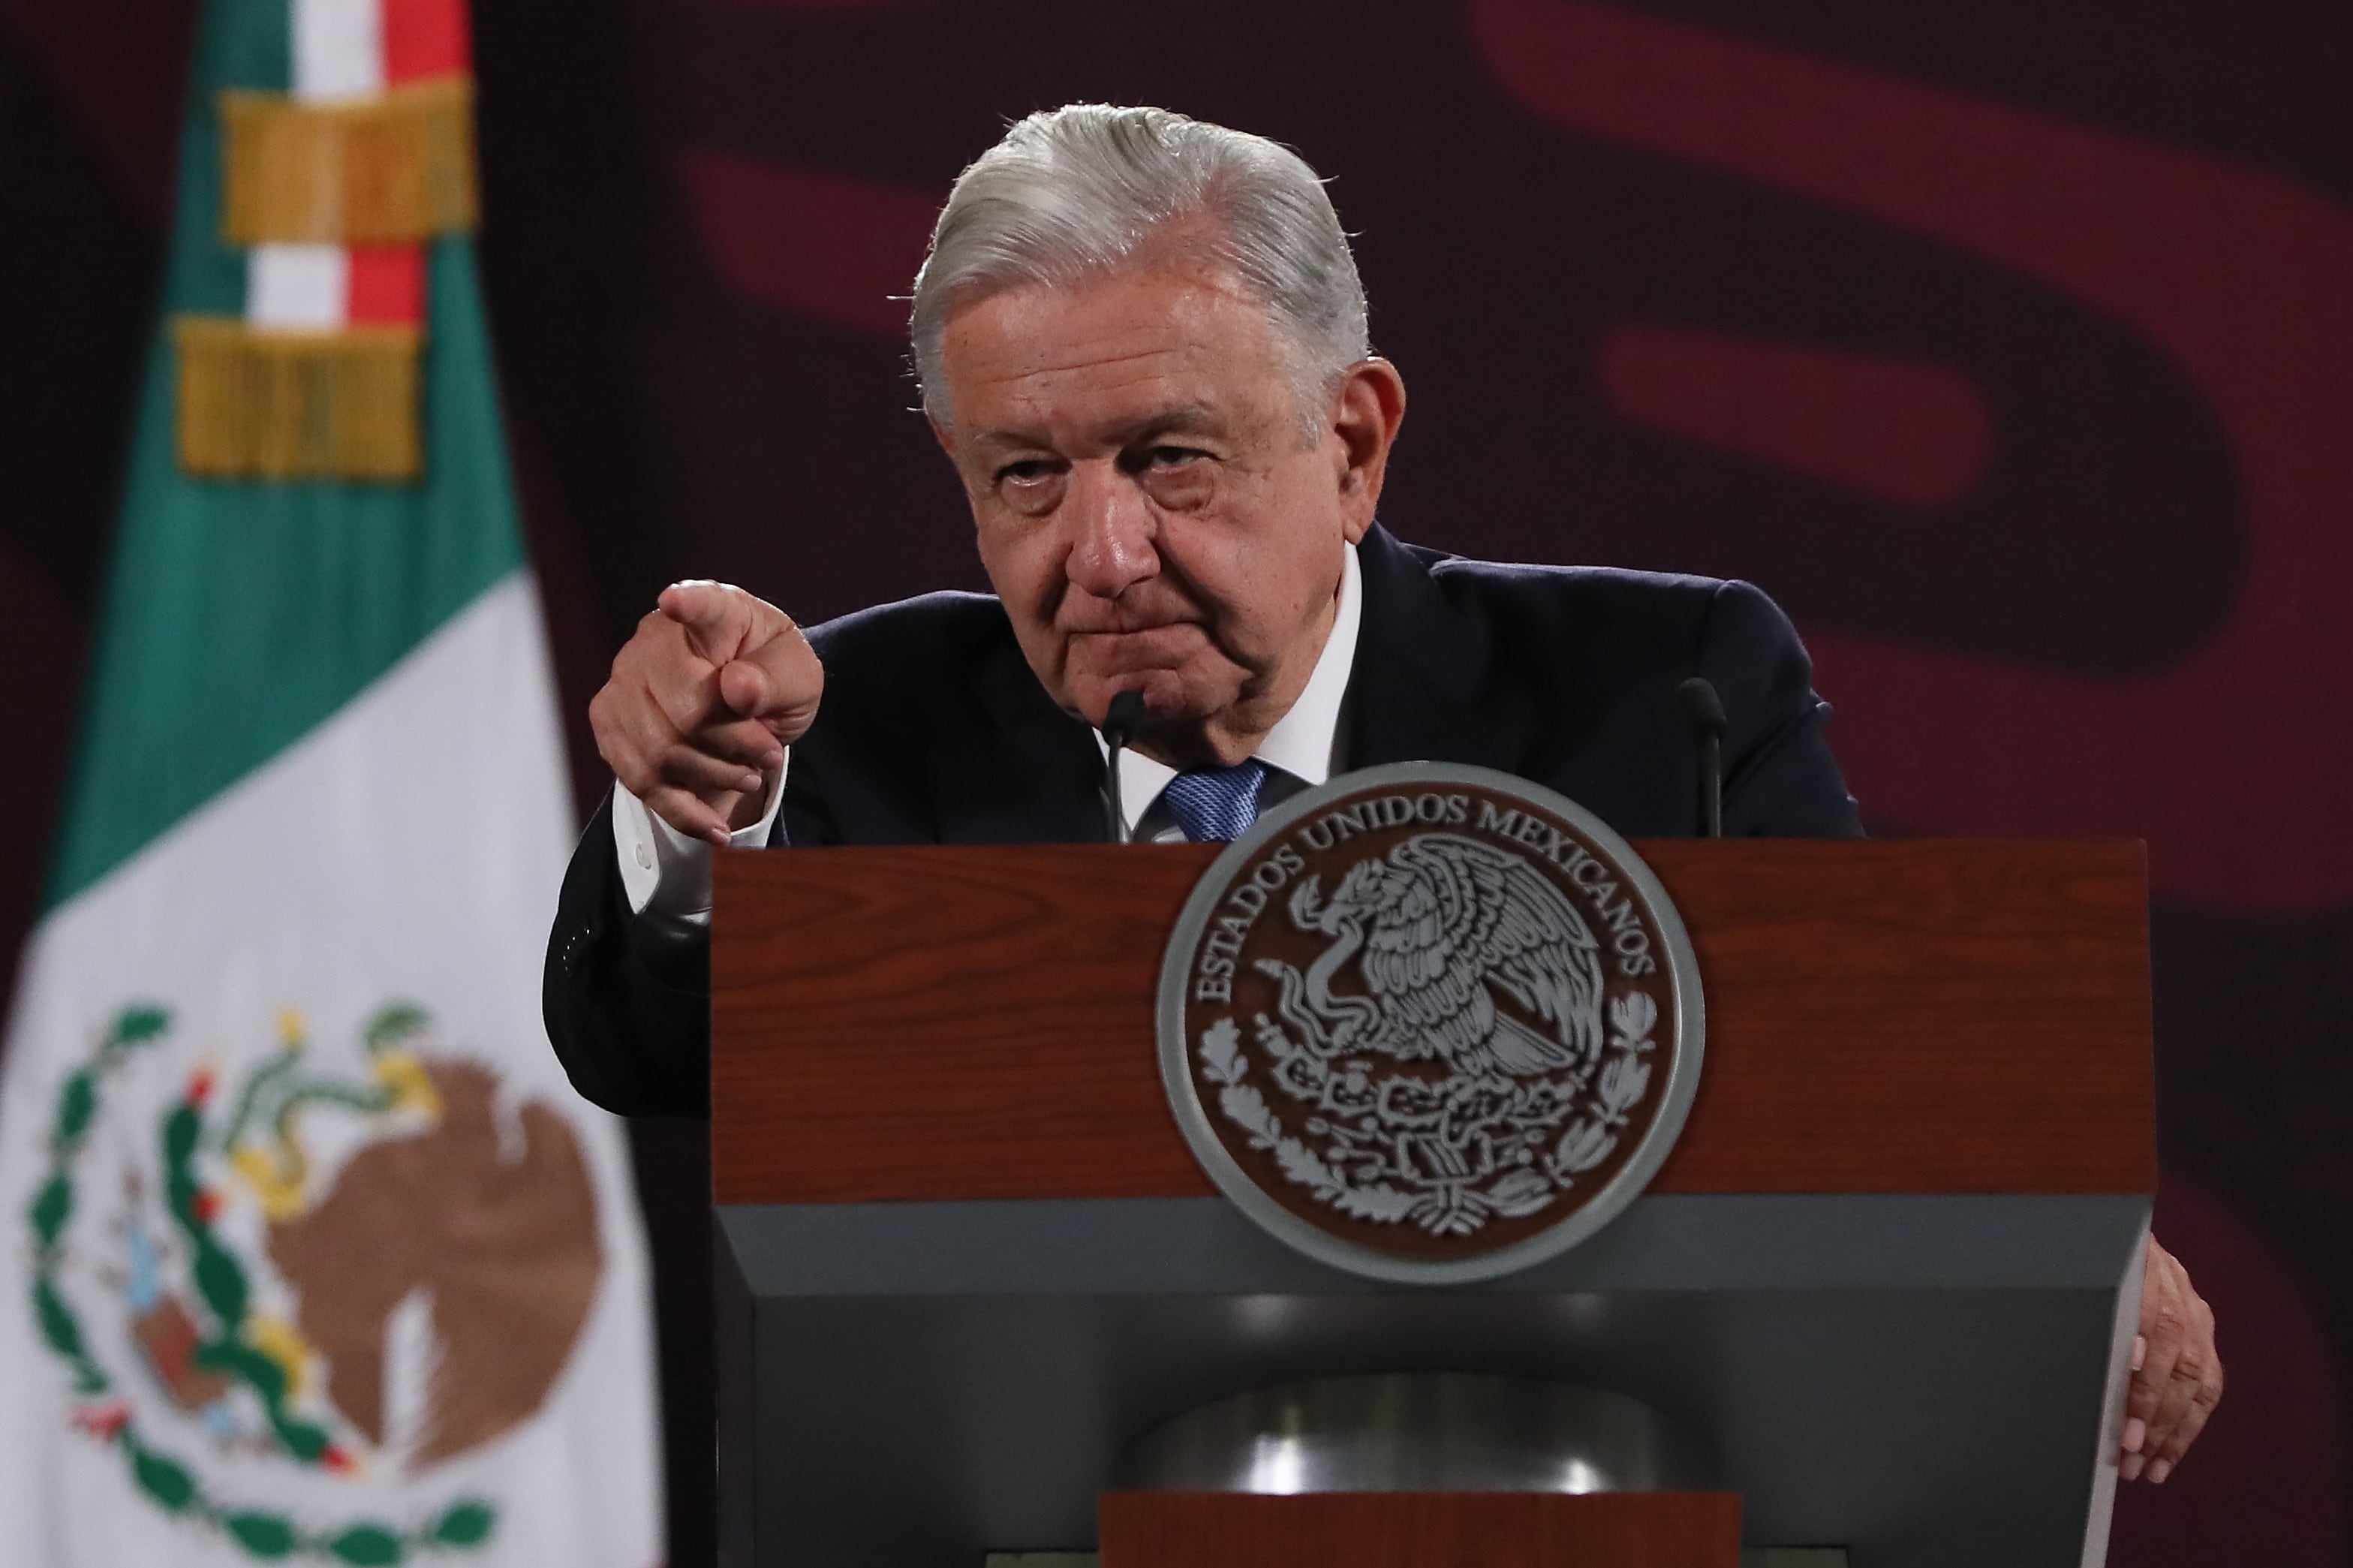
{"x":1900,"y":1016}
{"x":1420,"y":1530}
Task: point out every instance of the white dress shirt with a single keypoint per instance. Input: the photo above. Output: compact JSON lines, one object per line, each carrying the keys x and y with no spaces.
{"x":1302,"y":747}
{"x":666,"y":873}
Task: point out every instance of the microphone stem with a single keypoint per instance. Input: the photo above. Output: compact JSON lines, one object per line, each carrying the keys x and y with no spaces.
{"x":1705,"y":710}
{"x":1114,"y":809}
{"x":1711,"y":773}
{"x":1124,"y":715}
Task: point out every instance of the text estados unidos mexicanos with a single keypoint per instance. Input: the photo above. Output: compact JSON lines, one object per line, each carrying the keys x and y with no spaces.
{"x":1619,"y":918}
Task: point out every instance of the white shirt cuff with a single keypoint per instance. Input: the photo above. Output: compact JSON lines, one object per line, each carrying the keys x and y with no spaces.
{"x":664,"y":872}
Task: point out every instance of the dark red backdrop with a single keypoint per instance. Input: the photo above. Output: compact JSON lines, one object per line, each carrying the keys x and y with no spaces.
{"x":2009,"y":345}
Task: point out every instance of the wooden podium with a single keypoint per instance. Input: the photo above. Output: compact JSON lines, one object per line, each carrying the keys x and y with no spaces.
{"x":1891,"y":1270}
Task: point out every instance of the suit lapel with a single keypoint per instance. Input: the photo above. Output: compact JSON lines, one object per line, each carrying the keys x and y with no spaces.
{"x":1018,"y":770}
{"x":1422,"y":689}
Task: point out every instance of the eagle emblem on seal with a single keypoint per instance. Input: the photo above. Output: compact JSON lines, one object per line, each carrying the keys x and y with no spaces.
{"x":1438,"y":928}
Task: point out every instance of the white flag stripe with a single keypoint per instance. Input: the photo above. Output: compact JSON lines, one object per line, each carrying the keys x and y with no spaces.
{"x":338,"y":49}
{"x":298,"y":287}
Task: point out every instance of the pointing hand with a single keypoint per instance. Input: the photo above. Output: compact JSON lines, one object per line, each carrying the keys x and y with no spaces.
{"x":702,"y":701}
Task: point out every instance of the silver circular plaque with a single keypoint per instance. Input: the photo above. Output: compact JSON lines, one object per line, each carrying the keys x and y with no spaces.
{"x":1429,"y":1023}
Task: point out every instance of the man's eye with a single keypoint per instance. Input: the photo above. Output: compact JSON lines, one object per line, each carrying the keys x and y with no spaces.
{"x":1027,"y":471}
{"x":1171,"y":457}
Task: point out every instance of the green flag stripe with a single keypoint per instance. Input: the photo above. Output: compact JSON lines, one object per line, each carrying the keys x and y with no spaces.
{"x":240,"y":615}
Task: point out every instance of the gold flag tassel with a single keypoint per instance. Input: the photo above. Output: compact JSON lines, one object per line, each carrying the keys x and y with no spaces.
{"x":393,"y":169}
{"x":270,"y":404}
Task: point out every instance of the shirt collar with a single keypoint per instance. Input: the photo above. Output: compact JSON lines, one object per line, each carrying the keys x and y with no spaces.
{"x":1303,"y":740}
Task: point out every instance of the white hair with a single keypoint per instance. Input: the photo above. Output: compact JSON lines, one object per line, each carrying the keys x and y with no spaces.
{"x":1085,"y":191}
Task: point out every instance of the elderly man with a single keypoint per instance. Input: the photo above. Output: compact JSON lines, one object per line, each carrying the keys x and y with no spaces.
{"x":1142,"y":343}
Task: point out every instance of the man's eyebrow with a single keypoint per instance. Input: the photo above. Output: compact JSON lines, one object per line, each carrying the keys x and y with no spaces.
{"x":1192,"y":416}
{"x":1011,"y":438}
{"x":1175,"y":422}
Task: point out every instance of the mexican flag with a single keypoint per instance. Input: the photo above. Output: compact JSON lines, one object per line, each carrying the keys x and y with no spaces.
{"x":308,"y":1252}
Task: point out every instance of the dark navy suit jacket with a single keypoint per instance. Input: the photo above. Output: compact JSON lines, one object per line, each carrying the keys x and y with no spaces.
{"x":934,"y":731}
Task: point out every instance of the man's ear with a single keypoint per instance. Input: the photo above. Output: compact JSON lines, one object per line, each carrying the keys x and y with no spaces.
{"x":1367,"y":411}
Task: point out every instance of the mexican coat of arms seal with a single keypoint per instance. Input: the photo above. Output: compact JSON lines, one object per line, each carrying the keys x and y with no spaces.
{"x":1429,"y":1023}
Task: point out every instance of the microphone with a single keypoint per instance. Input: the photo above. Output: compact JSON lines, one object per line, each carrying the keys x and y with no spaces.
{"x":1704,"y":709}
{"x":1121,"y":720}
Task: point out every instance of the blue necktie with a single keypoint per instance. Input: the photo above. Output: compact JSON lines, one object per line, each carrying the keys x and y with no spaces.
{"x":1213,"y":804}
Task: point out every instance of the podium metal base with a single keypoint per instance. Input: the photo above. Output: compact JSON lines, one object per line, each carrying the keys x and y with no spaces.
{"x":919,"y":1384}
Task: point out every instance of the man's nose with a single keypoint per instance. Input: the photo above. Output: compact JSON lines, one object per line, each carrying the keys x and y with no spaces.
{"x":1117,"y":535}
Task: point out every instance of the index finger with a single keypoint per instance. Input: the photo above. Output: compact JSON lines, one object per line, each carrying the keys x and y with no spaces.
{"x":705,"y":607}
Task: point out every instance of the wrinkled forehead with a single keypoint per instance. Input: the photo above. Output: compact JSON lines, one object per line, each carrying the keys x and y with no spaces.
{"x":1095,"y":361}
